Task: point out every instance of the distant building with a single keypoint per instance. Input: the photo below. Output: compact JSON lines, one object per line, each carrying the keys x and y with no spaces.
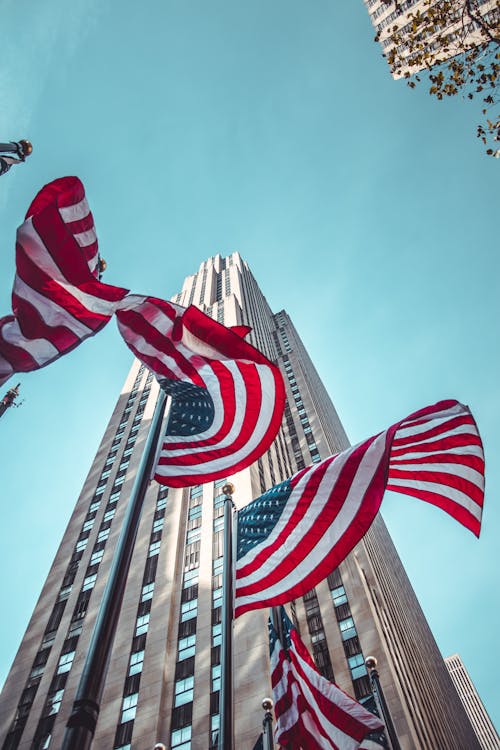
{"x":164,"y":674}
{"x":481,"y":722}
{"x":386,"y":14}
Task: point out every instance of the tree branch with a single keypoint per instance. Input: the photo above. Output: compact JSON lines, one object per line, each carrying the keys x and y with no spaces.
{"x":478,"y":19}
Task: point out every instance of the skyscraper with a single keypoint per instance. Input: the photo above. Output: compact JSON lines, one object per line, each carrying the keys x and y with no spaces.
{"x":483,"y":726}
{"x":164,"y":674}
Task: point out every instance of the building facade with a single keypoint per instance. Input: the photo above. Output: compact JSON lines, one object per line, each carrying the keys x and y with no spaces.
{"x":478,"y":715}
{"x":163,"y":679}
{"x":462,"y":33}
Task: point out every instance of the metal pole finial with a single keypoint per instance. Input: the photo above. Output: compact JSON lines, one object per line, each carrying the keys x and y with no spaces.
{"x":228,"y":489}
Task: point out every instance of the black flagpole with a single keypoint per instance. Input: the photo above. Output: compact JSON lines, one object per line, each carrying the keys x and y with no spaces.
{"x":371,"y":665}
{"x":226,"y":685}
{"x":82,"y":722}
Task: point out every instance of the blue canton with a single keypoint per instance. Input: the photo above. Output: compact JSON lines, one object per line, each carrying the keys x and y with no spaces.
{"x":192,"y":410}
{"x":257,"y":519}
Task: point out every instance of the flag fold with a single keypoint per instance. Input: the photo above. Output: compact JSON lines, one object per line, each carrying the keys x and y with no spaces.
{"x":57,"y":298}
{"x":227,"y":397}
{"x":291,"y":537}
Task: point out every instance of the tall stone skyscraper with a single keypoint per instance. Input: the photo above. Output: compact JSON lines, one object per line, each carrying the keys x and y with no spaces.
{"x":474,"y":707}
{"x":164,"y":674}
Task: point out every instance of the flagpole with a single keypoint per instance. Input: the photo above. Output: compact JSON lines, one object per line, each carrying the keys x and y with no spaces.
{"x":371,"y":665}
{"x":267,"y":725}
{"x":226,"y":685}
{"x":83,"y":719}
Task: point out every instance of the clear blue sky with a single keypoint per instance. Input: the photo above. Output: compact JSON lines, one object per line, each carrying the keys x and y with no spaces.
{"x":368,"y":211}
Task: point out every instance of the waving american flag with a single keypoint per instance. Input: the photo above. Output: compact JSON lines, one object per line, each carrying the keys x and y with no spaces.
{"x":294,"y":535}
{"x":311,"y":712}
{"x":57,"y":299}
{"x":227,"y":398}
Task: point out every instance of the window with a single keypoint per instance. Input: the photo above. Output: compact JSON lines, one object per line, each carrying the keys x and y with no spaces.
{"x":136,"y":661}
{"x":220,"y":482}
{"x":161,"y":503}
{"x":113,"y":498}
{"x":154,"y":549}
{"x":194,"y":512}
{"x":217,"y":634}
{"x":219,"y":501}
{"x":142,"y":624}
{"x":357,"y":666}
{"x":89,"y":581}
{"x":181,"y":739}
{"x":190,"y":578}
{"x":184,"y":691}
{"x":347,"y":629}
{"x":65,"y":662}
{"x":216,"y":671}
{"x":193,"y":536}
{"x":218,"y":524}
{"x":187,"y":647}
{"x":64,"y":593}
{"x":157,"y":525}
{"x":339,"y":596}
{"x":109,"y":514}
{"x":189,"y":610}
{"x":129,"y":707}
{"x":102,"y":535}
{"x":147,"y":592}
{"x":94,"y":506}
{"x":217,"y":565}
{"x":88,"y":525}
{"x":96,"y":557}
{"x":217,"y":597}
{"x":54,"y":702}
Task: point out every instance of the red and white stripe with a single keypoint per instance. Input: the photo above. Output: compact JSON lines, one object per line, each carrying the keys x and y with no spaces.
{"x":57,"y":299}
{"x":246,"y":388}
{"x":311,"y":712}
{"x":435,"y":455}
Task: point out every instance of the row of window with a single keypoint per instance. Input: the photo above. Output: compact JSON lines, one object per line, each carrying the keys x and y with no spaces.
{"x":123,"y":735}
{"x":182,"y":708}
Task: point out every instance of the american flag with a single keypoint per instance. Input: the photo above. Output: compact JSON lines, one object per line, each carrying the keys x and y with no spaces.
{"x":294,"y":535}
{"x":227,"y":398}
{"x":311,"y":712}
{"x":57,"y":299}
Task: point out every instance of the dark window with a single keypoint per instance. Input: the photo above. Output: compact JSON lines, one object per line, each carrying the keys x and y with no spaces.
{"x":139,"y":643}
{"x":150,"y":569}
{"x":184,"y":668}
{"x":214,"y":702}
{"x":55,"y":617}
{"x":124,"y":733}
{"x":132,"y":684}
{"x":361,"y":687}
{"x":190,"y":593}
{"x":182,"y":716}
{"x":187,"y":628}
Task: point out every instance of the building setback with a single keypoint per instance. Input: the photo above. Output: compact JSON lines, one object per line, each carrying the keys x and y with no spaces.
{"x":164,"y":674}
{"x":481,"y":722}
